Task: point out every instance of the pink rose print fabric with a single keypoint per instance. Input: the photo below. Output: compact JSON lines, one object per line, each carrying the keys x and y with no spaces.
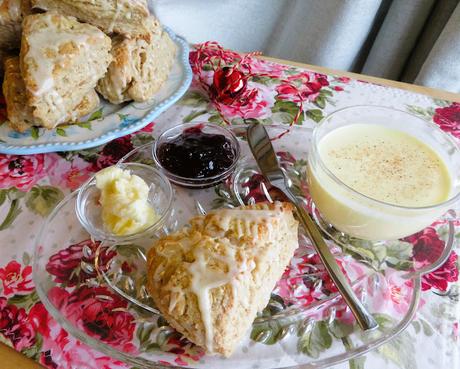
{"x":31,"y":186}
{"x":21,"y":172}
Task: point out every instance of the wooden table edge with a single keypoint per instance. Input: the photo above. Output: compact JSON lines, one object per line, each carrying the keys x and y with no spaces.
{"x":9,"y":359}
{"x":432,"y":92}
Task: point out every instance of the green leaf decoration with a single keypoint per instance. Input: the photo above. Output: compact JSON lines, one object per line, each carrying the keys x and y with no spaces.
{"x":6,"y":341}
{"x":216,"y":118}
{"x":194,"y":99}
{"x":320,"y":101}
{"x":315,"y":339}
{"x":61,"y":132}
{"x":357,"y":363}
{"x":25,"y":258}
{"x":3,"y":195}
{"x":96,"y":115}
{"x":427,"y":329}
{"x":441,"y":103}
{"x":315,"y":115}
{"x":34,"y":132}
{"x":288,"y":107}
{"x":265,"y":80}
{"x":43,"y":199}
{"x":86,"y":125}
{"x":340,"y":330}
{"x":34,"y":351}
{"x":421,"y":112}
{"x":25,"y":301}
{"x":400,"y":350}
{"x":14,"y":194}
{"x":193,"y":114}
{"x":269,"y":332}
{"x":416,"y":326}
{"x":325,"y":92}
{"x":143,"y":333}
{"x":141,"y":139}
{"x":12,"y":214}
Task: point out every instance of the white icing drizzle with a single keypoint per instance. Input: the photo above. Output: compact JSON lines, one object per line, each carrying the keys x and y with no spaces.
{"x":248,"y":220}
{"x":175,"y":295}
{"x":204,"y":279}
{"x":48,"y":40}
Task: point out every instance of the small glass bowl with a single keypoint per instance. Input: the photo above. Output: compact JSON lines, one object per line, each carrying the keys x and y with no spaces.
{"x":209,"y":128}
{"x":89,"y":210}
{"x":358,"y":215}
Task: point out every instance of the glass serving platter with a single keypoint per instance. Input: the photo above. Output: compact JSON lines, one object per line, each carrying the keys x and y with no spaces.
{"x":306,"y":324}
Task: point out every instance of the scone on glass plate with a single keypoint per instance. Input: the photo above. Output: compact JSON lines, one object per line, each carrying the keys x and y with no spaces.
{"x":61,"y":61}
{"x":209,"y":280}
{"x":140,"y":65}
{"x":19,"y":114}
{"x":11,"y":16}
{"x":125,"y":17}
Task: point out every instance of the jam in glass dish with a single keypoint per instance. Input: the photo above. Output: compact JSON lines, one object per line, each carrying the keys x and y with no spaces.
{"x":196,"y":155}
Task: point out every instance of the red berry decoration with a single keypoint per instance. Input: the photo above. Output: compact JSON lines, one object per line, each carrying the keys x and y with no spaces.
{"x":232,"y":72}
{"x":228,"y":84}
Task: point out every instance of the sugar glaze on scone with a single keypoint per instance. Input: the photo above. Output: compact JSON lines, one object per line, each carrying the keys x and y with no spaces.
{"x":210,"y":279}
{"x":20,"y":117}
{"x":61,"y":62}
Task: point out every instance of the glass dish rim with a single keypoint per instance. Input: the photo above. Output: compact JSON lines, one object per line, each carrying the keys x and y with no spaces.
{"x":195,"y":181}
{"x":145,"y":363}
{"x":130,"y":237}
{"x":314,"y":154}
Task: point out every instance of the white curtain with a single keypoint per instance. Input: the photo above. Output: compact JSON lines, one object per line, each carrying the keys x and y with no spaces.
{"x":410,"y":40}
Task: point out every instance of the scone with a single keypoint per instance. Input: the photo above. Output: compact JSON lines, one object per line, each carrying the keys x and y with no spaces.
{"x":125,"y":17}
{"x":4,"y":54}
{"x":61,"y":62}
{"x":209,"y":280}
{"x":11,"y":15}
{"x":140,"y":66}
{"x":19,"y":114}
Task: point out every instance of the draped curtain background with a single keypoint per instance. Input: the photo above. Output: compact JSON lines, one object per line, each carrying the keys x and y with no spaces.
{"x":410,"y":40}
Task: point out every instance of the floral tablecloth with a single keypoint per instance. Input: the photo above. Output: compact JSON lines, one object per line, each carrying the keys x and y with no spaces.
{"x":30,"y":187}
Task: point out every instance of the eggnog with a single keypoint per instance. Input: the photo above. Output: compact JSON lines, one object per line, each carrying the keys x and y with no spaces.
{"x":383,"y":164}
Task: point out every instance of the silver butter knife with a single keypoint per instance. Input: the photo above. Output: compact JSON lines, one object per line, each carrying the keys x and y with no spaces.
{"x":263,"y":152}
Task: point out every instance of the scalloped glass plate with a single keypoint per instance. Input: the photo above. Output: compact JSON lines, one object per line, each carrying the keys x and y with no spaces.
{"x":305,"y":323}
{"x":109,"y":121}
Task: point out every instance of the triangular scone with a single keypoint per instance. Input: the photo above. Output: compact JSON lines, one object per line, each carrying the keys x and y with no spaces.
{"x":19,"y":114}
{"x":209,"y":280}
{"x":61,"y":62}
{"x":139,"y":67}
{"x":11,"y":15}
{"x":125,"y":17}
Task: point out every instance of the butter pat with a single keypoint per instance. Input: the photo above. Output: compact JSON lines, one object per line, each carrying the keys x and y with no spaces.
{"x":124,"y":201}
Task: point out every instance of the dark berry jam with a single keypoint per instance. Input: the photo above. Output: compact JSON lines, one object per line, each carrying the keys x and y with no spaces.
{"x":196,"y":154}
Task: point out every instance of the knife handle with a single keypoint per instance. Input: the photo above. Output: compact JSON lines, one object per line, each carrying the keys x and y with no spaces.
{"x":365,"y":320}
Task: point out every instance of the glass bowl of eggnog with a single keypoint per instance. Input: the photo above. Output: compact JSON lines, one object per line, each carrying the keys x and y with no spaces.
{"x":378,"y":173}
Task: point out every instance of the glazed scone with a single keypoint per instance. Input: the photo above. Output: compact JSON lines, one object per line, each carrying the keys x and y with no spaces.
{"x":19,"y":114}
{"x":61,"y":62}
{"x":139,"y":67}
{"x":209,"y":280}
{"x":125,"y":17}
{"x":11,"y":15}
